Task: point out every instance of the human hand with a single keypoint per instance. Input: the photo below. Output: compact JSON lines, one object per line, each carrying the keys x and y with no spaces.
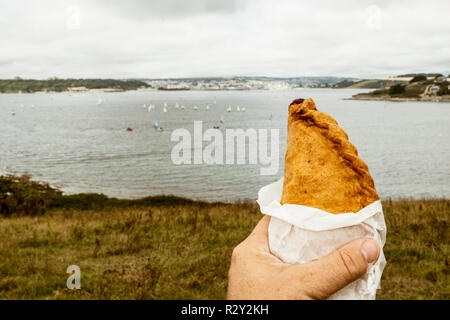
{"x":256,"y":274}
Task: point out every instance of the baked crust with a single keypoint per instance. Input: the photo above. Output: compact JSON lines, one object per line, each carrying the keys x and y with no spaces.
{"x":322,"y":167}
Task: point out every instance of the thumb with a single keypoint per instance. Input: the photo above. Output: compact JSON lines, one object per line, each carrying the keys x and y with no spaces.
{"x":341,"y":267}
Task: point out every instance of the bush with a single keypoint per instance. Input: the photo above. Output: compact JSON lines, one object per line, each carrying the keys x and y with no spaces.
{"x":397,"y":89}
{"x":21,"y":196}
{"x":443,"y":90}
{"x":418,"y":78}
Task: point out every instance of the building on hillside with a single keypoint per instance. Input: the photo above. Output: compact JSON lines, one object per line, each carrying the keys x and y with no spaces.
{"x":433,"y":89}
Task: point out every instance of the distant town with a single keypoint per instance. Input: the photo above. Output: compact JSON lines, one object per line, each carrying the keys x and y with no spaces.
{"x":54,"y":84}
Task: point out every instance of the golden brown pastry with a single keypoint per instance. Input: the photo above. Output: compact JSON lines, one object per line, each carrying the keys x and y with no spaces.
{"x":322,"y":168}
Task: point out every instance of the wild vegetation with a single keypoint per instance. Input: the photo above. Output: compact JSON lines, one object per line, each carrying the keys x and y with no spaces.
{"x":175,"y":248}
{"x":59,"y":85}
{"x":416,"y":89}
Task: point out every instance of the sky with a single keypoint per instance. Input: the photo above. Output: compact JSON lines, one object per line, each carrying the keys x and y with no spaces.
{"x":209,"y":38}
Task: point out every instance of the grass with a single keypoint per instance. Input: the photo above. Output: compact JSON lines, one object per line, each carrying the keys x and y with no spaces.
{"x":173,"y":248}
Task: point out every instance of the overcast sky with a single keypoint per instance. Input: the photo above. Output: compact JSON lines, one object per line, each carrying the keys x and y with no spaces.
{"x":195,"y":38}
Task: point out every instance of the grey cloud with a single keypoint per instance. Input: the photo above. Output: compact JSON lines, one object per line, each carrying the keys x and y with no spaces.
{"x":222,"y":38}
{"x":167,"y":9}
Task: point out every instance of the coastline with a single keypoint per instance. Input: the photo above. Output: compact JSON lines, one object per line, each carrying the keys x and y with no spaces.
{"x":369,"y":97}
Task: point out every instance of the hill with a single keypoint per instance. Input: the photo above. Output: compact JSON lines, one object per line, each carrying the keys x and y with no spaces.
{"x":417,"y":89}
{"x":60,"y":85}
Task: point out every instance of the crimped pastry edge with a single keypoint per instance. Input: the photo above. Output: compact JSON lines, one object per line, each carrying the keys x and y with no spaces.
{"x":305,"y":110}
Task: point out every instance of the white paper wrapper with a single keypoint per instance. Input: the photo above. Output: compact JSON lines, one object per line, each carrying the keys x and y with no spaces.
{"x":300,"y":234}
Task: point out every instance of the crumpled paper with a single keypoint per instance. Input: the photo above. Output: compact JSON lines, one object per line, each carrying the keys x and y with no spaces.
{"x":300,"y":234}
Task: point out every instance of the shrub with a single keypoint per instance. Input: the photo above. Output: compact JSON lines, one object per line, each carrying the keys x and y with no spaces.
{"x":397,"y":89}
{"x":418,"y":78}
{"x":21,"y":196}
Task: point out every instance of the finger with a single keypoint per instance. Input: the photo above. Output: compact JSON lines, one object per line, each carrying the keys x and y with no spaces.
{"x":260,"y":234}
{"x":341,"y":267}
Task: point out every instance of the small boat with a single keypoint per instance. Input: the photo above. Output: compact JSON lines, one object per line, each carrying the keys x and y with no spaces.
{"x":222,"y":119}
{"x":129,"y":129}
{"x":157,"y":126}
{"x":216,"y":127}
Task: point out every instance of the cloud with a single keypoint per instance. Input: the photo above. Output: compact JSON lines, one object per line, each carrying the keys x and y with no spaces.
{"x":167,"y":9}
{"x":81,"y":38}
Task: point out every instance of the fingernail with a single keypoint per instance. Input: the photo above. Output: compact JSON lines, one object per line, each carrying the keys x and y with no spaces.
{"x":369,"y":249}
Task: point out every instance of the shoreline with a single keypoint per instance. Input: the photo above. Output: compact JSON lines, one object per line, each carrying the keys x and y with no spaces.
{"x":399,"y":99}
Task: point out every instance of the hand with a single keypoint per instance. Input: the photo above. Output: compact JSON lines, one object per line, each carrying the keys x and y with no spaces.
{"x":257,"y":274}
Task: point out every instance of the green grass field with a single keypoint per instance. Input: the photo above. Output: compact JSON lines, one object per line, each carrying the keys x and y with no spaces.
{"x":172,"y":248}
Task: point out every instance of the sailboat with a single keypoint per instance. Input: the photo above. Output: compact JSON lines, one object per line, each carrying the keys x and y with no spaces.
{"x":177,"y":106}
{"x":238,"y":109}
{"x":207,"y":107}
{"x":195,"y":108}
{"x":157,"y":126}
{"x":243,"y":109}
{"x":99,"y":101}
{"x":229,"y":109}
{"x":165,"y":109}
{"x":182,"y":107}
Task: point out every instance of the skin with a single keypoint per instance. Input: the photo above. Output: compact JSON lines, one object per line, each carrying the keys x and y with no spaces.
{"x":256,"y":274}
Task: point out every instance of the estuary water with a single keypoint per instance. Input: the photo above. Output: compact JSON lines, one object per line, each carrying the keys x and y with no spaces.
{"x":78,"y":142}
